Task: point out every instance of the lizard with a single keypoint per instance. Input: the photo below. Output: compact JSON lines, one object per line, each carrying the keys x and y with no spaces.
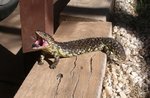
{"x":48,"y":45}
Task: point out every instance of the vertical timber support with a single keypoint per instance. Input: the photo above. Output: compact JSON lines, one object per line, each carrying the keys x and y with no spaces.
{"x":35,"y":15}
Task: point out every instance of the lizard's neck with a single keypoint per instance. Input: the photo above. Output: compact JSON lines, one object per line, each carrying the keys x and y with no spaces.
{"x":52,"y":47}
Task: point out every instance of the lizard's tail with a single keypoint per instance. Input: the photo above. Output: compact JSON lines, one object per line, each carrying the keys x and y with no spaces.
{"x":114,"y":47}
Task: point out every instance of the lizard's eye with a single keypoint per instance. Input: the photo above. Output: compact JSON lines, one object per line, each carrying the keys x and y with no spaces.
{"x":45,"y":34}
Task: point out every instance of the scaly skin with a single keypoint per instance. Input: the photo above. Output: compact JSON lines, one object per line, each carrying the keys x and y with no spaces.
{"x":111,"y":47}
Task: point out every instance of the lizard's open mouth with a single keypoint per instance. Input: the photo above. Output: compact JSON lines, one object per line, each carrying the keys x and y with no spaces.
{"x":39,"y":43}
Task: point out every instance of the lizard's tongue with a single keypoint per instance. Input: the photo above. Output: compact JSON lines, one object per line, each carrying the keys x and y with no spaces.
{"x":40,"y":43}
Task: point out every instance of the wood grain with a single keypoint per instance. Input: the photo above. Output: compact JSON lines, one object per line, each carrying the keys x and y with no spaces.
{"x":87,"y":10}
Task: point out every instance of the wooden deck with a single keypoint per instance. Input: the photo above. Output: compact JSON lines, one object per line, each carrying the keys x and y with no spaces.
{"x":74,"y":77}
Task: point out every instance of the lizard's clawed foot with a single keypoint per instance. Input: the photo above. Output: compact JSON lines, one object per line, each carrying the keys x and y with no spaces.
{"x":52,"y":66}
{"x":41,"y":60}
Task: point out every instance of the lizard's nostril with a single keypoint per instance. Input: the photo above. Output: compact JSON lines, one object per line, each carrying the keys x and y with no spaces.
{"x":34,"y":45}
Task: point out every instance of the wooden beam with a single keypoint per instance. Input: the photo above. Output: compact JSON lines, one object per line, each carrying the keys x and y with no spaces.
{"x":35,"y":15}
{"x":86,"y":10}
{"x":75,"y":77}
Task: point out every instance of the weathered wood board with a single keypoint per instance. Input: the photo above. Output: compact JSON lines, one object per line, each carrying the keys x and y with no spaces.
{"x":87,"y":10}
{"x":81,"y":76}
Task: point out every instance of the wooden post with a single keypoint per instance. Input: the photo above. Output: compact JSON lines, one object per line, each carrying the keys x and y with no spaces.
{"x":35,"y":15}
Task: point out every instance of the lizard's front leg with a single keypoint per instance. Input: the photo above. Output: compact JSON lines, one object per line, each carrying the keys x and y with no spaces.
{"x":56,"y":60}
{"x":41,"y":59}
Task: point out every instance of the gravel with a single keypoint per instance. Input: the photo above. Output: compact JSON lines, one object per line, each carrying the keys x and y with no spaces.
{"x":130,"y":79}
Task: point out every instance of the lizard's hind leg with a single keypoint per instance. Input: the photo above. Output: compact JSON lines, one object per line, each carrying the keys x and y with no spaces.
{"x":56,"y":60}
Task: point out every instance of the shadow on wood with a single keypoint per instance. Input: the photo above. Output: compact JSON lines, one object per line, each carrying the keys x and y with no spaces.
{"x":13,"y":70}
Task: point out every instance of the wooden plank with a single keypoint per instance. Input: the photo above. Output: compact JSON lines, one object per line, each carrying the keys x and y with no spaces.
{"x":10,"y":32}
{"x":13,"y":20}
{"x":87,"y":10}
{"x":82,"y":76}
{"x":78,"y":30}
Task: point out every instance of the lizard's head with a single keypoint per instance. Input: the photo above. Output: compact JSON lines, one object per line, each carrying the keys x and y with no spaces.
{"x":42,"y":40}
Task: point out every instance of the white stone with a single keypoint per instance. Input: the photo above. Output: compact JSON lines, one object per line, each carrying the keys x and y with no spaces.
{"x":123,"y":95}
{"x":129,"y":70}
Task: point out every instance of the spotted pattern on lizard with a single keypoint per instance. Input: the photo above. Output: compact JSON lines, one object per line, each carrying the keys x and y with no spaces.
{"x":48,"y":45}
